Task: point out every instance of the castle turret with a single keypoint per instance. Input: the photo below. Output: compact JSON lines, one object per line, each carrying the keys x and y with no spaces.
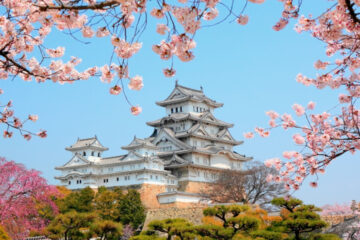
{"x":89,"y":148}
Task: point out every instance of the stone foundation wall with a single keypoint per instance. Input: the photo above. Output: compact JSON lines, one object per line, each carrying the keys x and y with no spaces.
{"x":192,"y":214}
{"x":148,"y":194}
{"x":192,"y":187}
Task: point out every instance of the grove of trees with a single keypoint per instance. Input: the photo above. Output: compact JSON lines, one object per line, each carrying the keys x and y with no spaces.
{"x":108,"y":214}
{"x":224,"y":222}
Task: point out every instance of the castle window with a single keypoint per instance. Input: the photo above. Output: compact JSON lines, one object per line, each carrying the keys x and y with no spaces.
{"x":99,"y":154}
{"x":194,"y":108}
{"x":197,"y":109}
{"x":117,"y":179}
{"x":172,"y":110}
{"x":156,"y":177}
{"x":180,"y":108}
{"x":150,"y":176}
{"x":176,"y":109}
{"x":84,"y":153}
{"x":106,"y":180}
{"x":92,"y":153}
{"x":69,"y":182}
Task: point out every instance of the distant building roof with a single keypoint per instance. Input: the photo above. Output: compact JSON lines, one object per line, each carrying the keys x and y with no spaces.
{"x":87,"y":143}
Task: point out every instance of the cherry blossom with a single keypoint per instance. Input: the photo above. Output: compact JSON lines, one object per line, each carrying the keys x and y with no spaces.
{"x":161,"y":29}
{"x":136,"y":110}
{"x":169,"y":72}
{"x":280,"y":24}
{"x":243,"y":19}
{"x":115,"y":90}
{"x":21,"y":192}
{"x":248,"y":135}
{"x":136,"y":83}
{"x":211,"y":14}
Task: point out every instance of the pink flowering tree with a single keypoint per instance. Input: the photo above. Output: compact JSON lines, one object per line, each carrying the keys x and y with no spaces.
{"x":337,"y":210}
{"x":23,"y":195}
{"x":322,"y":137}
{"x":349,"y":227}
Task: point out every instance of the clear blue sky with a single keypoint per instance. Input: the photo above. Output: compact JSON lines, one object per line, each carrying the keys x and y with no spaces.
{"x":251,"y":69}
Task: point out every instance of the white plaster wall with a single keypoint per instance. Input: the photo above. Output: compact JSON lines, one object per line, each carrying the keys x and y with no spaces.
{"x":211,"y":130}
{"x":220,"y":161}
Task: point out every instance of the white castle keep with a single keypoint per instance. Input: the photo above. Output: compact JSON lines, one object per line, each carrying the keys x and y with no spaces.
{"x":186,"y":151}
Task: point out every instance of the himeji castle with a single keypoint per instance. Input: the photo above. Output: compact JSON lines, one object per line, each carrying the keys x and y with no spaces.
{"x":185,"y":152}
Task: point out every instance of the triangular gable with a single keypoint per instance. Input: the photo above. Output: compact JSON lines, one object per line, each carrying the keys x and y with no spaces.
{"x":175,"y":160}
{"x":176,"y":93}
{"x":164,"y":138}
{"x":201,"y":131}
{"x":209,"y":117}
{"x":76,"y":160}
{"x":226,"y":136}
{"x":132,"y":156}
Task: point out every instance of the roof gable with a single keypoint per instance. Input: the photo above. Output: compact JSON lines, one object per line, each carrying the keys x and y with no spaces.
{"x":132,"y":156}
{"x":225,"y":134}
{"x":77,"y":160}
{"x":167,"y":135}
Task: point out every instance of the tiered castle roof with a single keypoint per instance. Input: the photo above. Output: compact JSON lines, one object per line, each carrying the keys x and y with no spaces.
{"x":87,"y":143}
{"x":183,"y":94}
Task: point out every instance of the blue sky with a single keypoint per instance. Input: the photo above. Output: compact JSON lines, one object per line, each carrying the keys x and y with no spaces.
{"x":251,"y":69}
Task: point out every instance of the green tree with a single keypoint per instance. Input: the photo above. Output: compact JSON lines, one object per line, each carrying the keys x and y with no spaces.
{"x":106,"y":203}
{"x":299,"y":220}
{"x":131,"y":209}
{"x":234,"y":218}
{"x":81,"y":201}
{"x":71,"y":225}
{"x":237,"y":222}
{"x":173,"y":227}
{"x":106,"y":230}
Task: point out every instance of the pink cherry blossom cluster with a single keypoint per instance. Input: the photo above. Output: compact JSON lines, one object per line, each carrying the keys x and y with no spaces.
{"x":180,"y":46}
{"x":8,"y":119}
{"x":25,"y":25}
{"x":22,"y":191}
{"x":326,"y":136}
{"x":323,"y":139}
{"x":337,"y":210}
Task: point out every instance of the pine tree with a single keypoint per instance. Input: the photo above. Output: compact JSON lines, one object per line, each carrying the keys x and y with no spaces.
{"x":131,"y":210}
{"x":299,"y":220}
